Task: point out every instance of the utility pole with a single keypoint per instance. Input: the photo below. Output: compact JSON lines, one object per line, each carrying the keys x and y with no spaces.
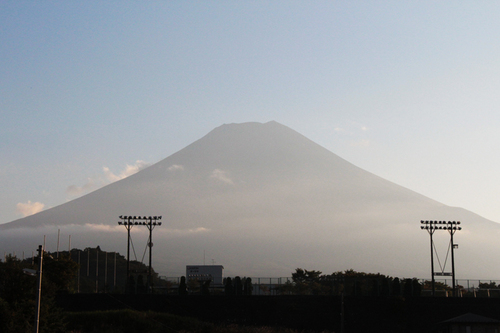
{"x":39,"y":292}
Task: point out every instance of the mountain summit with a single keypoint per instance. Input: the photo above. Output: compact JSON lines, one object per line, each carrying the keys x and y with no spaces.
{"x":262,"y":200}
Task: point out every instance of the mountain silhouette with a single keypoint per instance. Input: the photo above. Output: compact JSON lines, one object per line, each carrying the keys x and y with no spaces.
{"x":262,"y":200}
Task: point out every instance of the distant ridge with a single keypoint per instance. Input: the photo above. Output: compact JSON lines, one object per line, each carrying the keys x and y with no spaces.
{"x":262,"y":200}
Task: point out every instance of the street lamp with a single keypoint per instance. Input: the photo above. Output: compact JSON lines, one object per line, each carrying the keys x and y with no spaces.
{"x":451,"y":227}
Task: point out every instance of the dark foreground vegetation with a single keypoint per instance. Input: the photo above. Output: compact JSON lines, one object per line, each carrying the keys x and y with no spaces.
{"x":297,"y":313}
{"x":75,"y":300}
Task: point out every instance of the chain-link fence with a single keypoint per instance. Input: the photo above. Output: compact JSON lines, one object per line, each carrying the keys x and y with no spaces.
{"x":269,"y":286}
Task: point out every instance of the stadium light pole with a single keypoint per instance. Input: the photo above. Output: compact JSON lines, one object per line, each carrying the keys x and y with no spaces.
{"x":451,"y":227}
{"x":430,"y":229}
{"x":128,"y":225}
{"x":150,"y":222}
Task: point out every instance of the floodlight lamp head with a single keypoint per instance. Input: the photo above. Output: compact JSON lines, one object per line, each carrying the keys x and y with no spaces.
{"x":120,"y":222}
{"x":121,"y":216}
{"x":159,"y":223}
{"x":159,"y":217}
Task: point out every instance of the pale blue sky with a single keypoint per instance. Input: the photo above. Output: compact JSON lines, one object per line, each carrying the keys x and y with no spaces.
{"x":406,"y":90}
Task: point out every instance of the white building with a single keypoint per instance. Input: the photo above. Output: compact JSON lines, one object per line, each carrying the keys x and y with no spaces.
{"x":214,"y":273}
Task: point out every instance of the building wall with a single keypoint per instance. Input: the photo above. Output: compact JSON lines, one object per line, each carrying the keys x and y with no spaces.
{"x":215,"y":273}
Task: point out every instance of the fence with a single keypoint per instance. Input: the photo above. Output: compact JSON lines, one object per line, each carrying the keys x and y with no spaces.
{"x":366,"y":287}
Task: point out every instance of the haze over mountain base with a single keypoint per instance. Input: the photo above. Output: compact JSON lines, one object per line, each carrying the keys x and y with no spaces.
{"x":262,"y":200}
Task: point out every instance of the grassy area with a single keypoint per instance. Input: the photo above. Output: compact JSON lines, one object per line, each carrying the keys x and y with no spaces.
{"x":130,"y":321}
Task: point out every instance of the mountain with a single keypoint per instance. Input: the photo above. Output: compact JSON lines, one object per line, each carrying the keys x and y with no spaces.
{"x":262,"y":200}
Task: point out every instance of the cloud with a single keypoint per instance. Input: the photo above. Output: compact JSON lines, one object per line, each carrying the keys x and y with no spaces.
{"x":29,"y":208}
{"x":175,"y":167}
{"x":172,"y":232}
{"x":221,"y":175}
{"x":104,"y":227}
{"x":106,"y":178}
{"x":360,"y":143}
{"x":129,"y":170}
{"x":77,"y":190}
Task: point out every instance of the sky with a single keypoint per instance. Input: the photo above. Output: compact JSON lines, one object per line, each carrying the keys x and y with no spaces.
{"x":93,"y":91}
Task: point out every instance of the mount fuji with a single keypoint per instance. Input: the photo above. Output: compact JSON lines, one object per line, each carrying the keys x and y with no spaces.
{"x":262,"y":200}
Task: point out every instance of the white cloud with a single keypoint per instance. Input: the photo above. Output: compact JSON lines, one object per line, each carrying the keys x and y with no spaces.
{"x":360,"y":143}
{"x":129,"y":170}
{"x":106,"y":178}
{"x":77,"y":190}
{"x":29,"y":208}
{"x":175,"y":167}
{"x":104,"y":227}
{"x":221,"y":175}
{"x":167,"y":232}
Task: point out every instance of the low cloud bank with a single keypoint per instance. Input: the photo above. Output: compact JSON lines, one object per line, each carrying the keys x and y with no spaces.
{"x":29,"y":208}
{"x":106,"y":178}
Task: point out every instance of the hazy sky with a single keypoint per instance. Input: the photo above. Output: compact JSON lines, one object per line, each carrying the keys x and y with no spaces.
{"x":91,"y":91}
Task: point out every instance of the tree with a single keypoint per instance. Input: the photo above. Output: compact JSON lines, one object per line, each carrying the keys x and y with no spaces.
{"x":238,"y":286}
{"x":306,"y":282}
{"x":228,"y":287}
{"x":183,"y":286}
{"x":59,"y":272}
{"x":396,"y":287}
{"x":141,"y":287}
{"x":17,"y":295}
{"x":247,"y":286}
{"x":205,"y":288}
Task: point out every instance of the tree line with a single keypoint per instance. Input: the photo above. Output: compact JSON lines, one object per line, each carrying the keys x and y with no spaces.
{"x":349,"y":282}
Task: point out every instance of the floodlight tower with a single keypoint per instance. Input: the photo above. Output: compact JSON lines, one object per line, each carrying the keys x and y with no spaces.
{"x":151,"y":223}
{"x":451,"y":227}
{"x":430,"y":229}
{"x":128,"y":225}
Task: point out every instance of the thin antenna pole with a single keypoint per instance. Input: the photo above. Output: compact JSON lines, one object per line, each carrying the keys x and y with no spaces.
{"x":97,"y":270}
{"x":114,"y":274}
{"x":88,"y":261}
{"x":105,"y":270}
{"x":58,"y":234}
{"x":79,"y":271}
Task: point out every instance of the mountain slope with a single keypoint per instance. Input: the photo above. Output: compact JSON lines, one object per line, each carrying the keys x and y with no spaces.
{"x":261,"y":200}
